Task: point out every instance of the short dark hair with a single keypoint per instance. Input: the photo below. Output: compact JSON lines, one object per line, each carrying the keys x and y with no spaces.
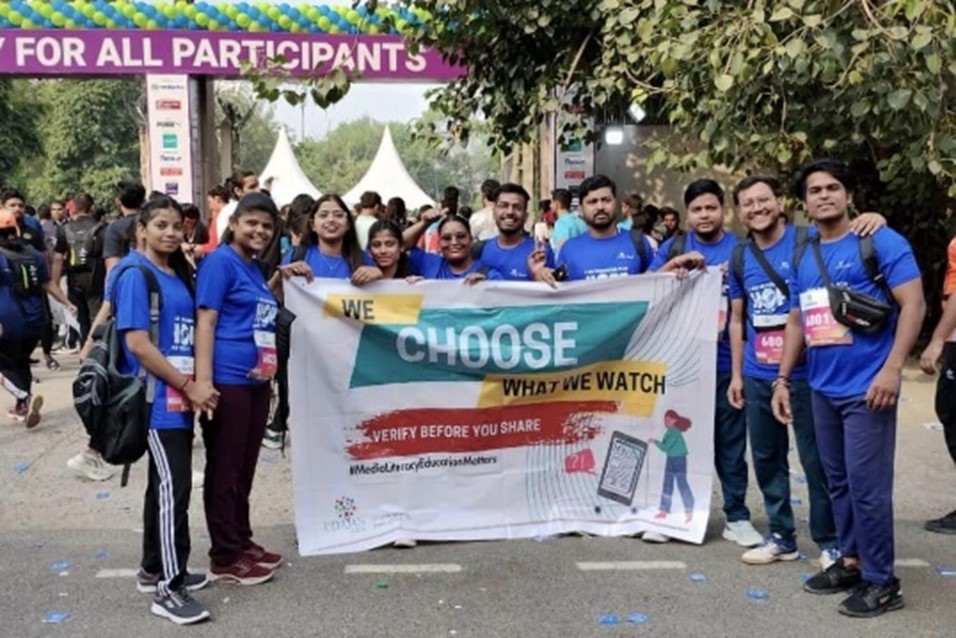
{"x":220,"y":192}
{"x":44,"y":212}
{"x":703,"y":187}
{"x":836,"y":169}
{"x":667,"y":210}
{"x":596,"y":182}
{"x":11,"y":193}
{"x":489,"y":188}
{"x":130,"y":194}
{"x":370,"y":199}
{"x":83,"y":202}
{"x":563,"y":197}
{"x":751,"y":181}
{"x":510,"y":188}
{"x":635,"y":201}
{"x":190,"y":211}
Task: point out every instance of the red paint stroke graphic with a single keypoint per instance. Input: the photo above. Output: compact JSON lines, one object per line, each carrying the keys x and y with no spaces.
{"x":580,"y":462}
{"x":435,"y":430}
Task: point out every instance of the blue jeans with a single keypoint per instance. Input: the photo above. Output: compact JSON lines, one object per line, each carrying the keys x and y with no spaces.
{"x":676,"y":470}
{"x":730,"y":449}
{"x":857,"y":447}
{"x":769,"y":445}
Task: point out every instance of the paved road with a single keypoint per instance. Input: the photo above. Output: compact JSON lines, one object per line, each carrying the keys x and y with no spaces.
{"x":70,"y":546}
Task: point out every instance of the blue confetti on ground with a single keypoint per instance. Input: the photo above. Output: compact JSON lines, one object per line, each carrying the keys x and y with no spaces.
{"x":697,"y":577}
{"x":102,"y":496}
{"x":804,"y":519}
{"x":757,"y":595}
{"x":36,"y":545}
{"x":796,"y":501}
{"x":60,"y":566}
{"x":946,"y":572}
{"x":103,"y":553}
{"x":20,"y":468}
{"x":267,"y":459}
{"x":805,"y":577}
{"x":802,"y":480}
{"x":803,"y":556}
{"x":609,"y":619}
{"x":56,"y":617}
{"x":638,"y":619}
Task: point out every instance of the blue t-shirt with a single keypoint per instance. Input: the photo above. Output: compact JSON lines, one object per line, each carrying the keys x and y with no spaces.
{"x":512,"y":263}
{"x":31,"y":232}
{"x":767,"y":308}
{"x":590,"y":258}
{"x":323,"y":266}
{"x":177,"y":327}
{"x":131,"y":258}
{"x":432,"y":266}
{"x":716,"y":254}
{"x":847,"y":370}
{"x":22,"y":317}
{"x":567,"y":227}
{"x":247,"y":309}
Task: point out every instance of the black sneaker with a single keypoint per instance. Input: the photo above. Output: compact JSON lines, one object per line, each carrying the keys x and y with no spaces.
{"x":146,"y":582}
{"x":944,"y":525}
{"x":179,"y":607}
{"x":871,"y":600}
{"x":272,"y":439}
{"x":834,"y":579}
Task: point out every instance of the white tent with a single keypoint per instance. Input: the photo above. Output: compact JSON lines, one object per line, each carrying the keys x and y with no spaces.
{"x":388,"y":177}
{"x":283,"y":176}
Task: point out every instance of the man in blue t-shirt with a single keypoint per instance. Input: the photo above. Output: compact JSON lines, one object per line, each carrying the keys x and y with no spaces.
{"x":855,"y":378}
{"x":508,"y":252}
{"x":707,"y":244}
{"x":568,"y":224}
{"x":604,"y":251}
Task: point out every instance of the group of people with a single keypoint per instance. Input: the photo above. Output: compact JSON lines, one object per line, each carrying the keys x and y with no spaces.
{"x":782,"y":353}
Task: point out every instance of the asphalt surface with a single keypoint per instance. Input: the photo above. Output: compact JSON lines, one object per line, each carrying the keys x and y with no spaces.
{"x":69,"y":546}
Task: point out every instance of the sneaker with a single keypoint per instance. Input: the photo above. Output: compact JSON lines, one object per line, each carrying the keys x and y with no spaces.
{"x":146,"y":582}
{"x":179,"y":607}
{"x":259,"y":555}
{"x":944,"y":525}
{"x":742,"y":533}
{"x":770,"y":551}
{"x":33,"y":414}
{"x":89,"y":467}
{"x":243,"y":572}
{"x":655,"y":537}
{"x":405,"y":543}
{"x":19,"y":411}
{"x":272,"y":440}
{"x":836,"y":578}
{"x":872,"y":600}
{"x":828,"y":557}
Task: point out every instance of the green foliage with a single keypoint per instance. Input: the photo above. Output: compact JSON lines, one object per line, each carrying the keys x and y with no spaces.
{"x":337,"y":162}
{"x":19,"y":115}
{"x":259,"y":130}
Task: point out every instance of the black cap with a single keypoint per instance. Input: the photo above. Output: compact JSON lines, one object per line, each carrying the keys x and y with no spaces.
{"x":256,"y":201}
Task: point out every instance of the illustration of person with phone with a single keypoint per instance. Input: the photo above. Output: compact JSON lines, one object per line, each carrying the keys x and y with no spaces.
{"x":674,"y":447}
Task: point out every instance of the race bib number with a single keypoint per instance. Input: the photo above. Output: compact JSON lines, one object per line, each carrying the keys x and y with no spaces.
{"x":819,"y":326}
{"x":175,"y":401}
{"x":267,"y":360}
{"x":768,"y":347}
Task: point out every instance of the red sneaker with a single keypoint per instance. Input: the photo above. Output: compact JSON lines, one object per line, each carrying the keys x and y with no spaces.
{"x":244,"y":572}
{"x":259,"y":555}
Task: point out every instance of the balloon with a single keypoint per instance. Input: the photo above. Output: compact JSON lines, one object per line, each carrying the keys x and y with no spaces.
{"x":214,"y":26}
{"x":202,"y":19}
{"x":152,"y":25}
{"x":285,"y":22}
{"x":242,"y":21}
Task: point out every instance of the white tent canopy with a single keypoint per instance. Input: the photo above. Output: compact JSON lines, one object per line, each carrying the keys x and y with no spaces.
{"x":283,"y":176}
{"x":388,"y":177}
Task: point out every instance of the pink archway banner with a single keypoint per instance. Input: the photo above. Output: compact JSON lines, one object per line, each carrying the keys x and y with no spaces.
{"x":59,"y":52}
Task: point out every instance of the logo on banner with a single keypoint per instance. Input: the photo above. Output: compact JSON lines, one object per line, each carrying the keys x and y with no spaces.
{"x":166,"y":171}
{"x":169,"y":105}
{"x":345,"y":507}
{"x":170,"y":141}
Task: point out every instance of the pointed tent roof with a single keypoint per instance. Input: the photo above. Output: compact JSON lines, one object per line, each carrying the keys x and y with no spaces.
{"x":388,"y":177}
{"x":288,"y":179}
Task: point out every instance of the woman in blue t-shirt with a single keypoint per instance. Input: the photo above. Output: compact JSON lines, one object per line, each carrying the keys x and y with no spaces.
{"x":385,"y":249}
{"x":456,"y":260}
{"x":330,"y":249}
{"x":170,"y":361}
{"x":236,"y":350}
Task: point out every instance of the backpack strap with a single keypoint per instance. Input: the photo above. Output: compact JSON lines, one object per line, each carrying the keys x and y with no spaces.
{"x":803,"y":240}
{"x":769,"y":270}
{"x":737,"y":262}
{"x":155,"y":307}
{"x":677,"y":247}
{"x":637,"y":236}
{"x":299,"y":252}
{"x":871,"y":262}
{"x":477,"y":249}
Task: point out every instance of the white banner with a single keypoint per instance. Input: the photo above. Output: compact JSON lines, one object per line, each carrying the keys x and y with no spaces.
{"x":439,"y":411}
{"x":171,"y":137}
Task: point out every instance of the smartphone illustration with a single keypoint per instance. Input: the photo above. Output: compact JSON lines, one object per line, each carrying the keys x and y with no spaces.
{"x":622,"y":468}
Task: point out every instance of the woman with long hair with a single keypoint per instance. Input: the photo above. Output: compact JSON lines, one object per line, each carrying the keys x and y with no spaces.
{"x":396,"y":212}
{"x":170,"y":361}
{"x":385,"y":249}
{"x":236,"y":351}
{"x":456,"y":260}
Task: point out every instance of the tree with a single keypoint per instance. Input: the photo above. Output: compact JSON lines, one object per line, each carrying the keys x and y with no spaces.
{"x":19,"y":116}
{"x":258,"y":130}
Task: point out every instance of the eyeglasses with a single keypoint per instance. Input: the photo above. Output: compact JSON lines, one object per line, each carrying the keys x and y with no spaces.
{"x":334,"y":214}
{"x":759,"y":201}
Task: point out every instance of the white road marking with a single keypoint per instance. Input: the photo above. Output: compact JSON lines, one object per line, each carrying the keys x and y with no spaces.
{"x":434,"y":568}
{"x":910,"y":562}
{"x":131,"y":573}
{"x":633,"y":565}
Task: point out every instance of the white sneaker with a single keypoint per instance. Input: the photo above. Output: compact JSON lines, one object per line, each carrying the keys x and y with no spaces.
{"x":828,"y":557}
{"x":89,"y":467}
{"x":742,"y":533}
{"x":655,"y":537}
{"x":405,"y":543}
{"x":198,"y":479}
{"x":770,"y":551}
{"x":272,"y":440}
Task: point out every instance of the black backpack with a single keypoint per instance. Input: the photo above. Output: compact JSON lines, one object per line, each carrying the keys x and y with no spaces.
{"x":24,"y":270}
{"x":637,"y":236}
{"x":115,"y":408}
{"x":82,"y":238}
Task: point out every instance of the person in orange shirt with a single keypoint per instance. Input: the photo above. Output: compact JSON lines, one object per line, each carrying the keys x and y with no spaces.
{"x":216,"y":200}
{"x":949,"y":283}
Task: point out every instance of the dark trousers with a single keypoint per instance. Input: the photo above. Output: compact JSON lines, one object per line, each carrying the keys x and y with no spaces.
{"x":232,"y":440}
{"x":15,"y":366}
{"x":675,"y":470}
{"x":946,"y":397}
{"x":87,"y":300}
{"x":166,"y":507}
{"x":730,"y":449}
{"x":769,"y":446}
{"x":48,"y":334}
{"x":857,"y":447}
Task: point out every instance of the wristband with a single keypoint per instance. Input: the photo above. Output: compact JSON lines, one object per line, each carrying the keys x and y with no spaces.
{"x":185,"y":383}
{"x":780,"y":382}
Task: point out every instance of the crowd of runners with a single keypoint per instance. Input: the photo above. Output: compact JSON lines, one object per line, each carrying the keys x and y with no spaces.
{"x":819,"y":322}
